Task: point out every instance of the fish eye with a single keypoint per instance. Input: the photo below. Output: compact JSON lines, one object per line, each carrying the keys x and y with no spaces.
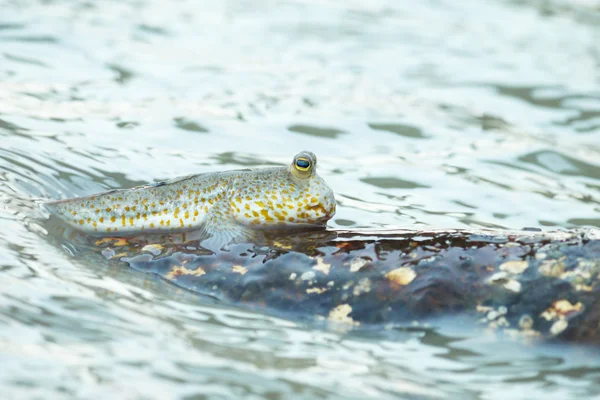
{"x":302,"y":164}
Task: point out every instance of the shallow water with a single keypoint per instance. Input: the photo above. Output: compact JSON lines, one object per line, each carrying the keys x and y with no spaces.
{"x":423,"y":114}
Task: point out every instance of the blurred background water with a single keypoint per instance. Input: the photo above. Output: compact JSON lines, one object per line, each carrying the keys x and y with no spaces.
{"x":437,"y":113}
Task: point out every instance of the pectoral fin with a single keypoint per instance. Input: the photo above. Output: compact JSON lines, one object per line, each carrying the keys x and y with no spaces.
{"x":221,"y":229}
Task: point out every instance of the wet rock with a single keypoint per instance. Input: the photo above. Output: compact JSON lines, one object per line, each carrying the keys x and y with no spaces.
{"x":527,"y":284}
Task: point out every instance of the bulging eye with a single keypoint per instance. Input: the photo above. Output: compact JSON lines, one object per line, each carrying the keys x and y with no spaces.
{"x":302,"y":164}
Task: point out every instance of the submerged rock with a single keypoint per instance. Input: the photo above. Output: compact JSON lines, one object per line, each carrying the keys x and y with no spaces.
{"x":524,"y":283}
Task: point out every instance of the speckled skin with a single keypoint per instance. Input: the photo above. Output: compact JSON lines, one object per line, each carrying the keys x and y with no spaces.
{"x":231,"y":201}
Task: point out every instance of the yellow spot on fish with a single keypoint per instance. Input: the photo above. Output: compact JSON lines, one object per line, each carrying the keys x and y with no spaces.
{"x":265,"y":213}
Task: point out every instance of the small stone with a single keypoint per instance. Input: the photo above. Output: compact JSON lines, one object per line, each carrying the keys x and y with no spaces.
{"x":108,"y":253}
{"x":180,"y":270}
{"x":357,"y":264}
{"x":293,"y":276}
{"x":492,"y":315}
{"x":340,"y":314}
{"x":525,"y":322}
{"x":308,"y":276}
{"x":154,"y":249}
{"x":498,"y":277}
{"x":513,"y":286}
{"x":514,"y":267}
{"x":540,"y":256}
{"x":548,"y":314}
{"x":564,"y":307}
{"x":363,"y":286}
{"x":551,"y":268}
{"x":483,"y":309}
{"x":558,"y":326}
{"x":401,"y":276}
{"x":316,"y":290}
{"x":239,"y":269}
{"x":583,"y":288}
{"x":321,"y":266}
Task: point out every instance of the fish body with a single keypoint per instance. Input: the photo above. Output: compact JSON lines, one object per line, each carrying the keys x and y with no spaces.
{"x":232,"y":201}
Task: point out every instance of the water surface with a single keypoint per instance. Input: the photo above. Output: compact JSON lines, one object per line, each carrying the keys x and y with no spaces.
{"x":437,"y":114}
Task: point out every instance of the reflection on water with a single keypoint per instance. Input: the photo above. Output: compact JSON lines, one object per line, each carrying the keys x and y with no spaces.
{"x":421,"y":113}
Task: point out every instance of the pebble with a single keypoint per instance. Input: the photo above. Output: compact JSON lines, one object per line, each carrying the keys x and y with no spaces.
{"x":526,"y":322}
{"x":513,"y":286}
{"x":323,"y":267}
{"x":239,"y":269}
{"x":108,"y":253}
{"x":154,"y":249}
{"x":308,"y":276}
{"x":363,"y":286}
{"x":514,"y":267}
{"x":357,"y":264}
{"x":559,"y":326}
{"x":340,"y":314}
{"x":551,"y":268}
{"x":402,"y":276}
